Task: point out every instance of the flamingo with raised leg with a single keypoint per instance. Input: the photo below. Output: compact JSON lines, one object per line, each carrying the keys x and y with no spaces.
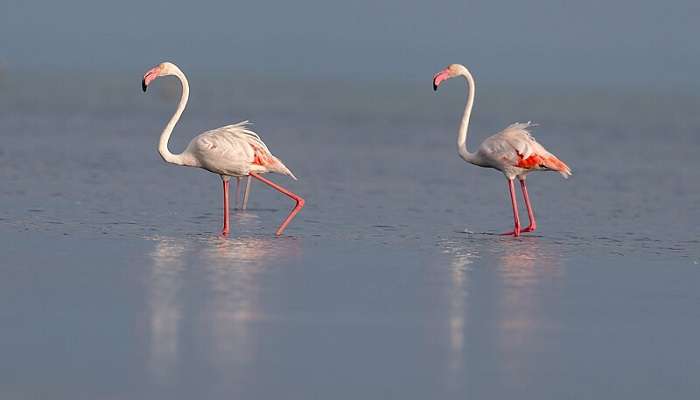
{"x":512,"y":151}
{"x":229,"y":151}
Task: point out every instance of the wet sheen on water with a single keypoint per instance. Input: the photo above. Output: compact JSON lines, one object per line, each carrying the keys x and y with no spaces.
{"x":389,"y":284}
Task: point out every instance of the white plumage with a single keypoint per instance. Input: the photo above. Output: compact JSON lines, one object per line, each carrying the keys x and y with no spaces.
{"x":232,"y":150}
{"x":508,"y":149}
{"x":512,"y":151}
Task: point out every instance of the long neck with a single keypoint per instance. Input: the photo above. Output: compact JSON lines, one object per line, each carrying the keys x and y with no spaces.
{"x":165,"y":136}
{"x":464,"y":125}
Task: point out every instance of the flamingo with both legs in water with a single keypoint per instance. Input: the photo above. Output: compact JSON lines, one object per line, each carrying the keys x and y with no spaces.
{"x":229,"y":151}
{"x":512,"y":151}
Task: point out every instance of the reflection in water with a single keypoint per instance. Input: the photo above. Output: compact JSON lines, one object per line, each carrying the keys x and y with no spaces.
{"x":509,"y":277}
{"x":223,"y":278}
{"x":235,"y":268}
{"x":232,"y":268}
{"x":463,"y":255}
{"x":165,"y":310}
{"x":522,"y":267}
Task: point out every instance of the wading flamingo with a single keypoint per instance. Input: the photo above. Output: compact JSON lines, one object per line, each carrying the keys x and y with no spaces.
{"x":232,"y":150}
{"x":512,"y":151}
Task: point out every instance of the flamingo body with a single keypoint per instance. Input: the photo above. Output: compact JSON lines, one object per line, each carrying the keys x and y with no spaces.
{"x":516,"y":153}
{"x":513,"y":151}
{"x":229,"y":151}
{"x":233,"y":150}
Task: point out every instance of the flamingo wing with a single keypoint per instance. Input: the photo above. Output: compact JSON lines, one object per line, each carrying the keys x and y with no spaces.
{"x":235,"y":150}
{"x":242,"y":132}
{"x":516,"y":147}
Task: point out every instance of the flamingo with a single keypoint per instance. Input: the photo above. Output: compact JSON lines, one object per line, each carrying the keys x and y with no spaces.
{"x":229,"y":151}
{"x":512,"y":151}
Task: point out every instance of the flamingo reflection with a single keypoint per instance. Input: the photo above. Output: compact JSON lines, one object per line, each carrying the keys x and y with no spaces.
{"x":463,"y":255}
{"x":509,"y":282}
{"x":164,"y":304}
{"x":235,"y":271}
{"x":523,"y":267}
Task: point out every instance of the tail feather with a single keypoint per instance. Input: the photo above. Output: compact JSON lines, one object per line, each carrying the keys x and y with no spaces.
{"x":263,"y":157}
{"x":282,"y":169}
{"x":556,"y":164}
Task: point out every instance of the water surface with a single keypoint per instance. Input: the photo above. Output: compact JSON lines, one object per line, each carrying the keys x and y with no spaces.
{"x":389,"y":284}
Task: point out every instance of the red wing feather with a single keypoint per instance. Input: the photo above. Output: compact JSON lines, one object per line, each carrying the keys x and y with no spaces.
{"x":530,"y":162}
{"x":262,"y":157}
{"x":549,"y":162}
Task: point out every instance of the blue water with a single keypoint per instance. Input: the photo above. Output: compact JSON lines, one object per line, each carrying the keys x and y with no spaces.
{"x":389,"y":283}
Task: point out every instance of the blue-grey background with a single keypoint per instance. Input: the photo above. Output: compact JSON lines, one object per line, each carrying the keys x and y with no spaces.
{"x":390,"y":283}
{"x":620,"y":41}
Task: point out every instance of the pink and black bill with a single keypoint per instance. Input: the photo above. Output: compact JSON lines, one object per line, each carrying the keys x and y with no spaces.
{"x":149,"y":76}
{"x":439,"y":77}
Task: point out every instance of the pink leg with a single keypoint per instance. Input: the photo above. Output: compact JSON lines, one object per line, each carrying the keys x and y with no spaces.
{"x":530,"y":212}
{"x":513,"y":202}
{"x":225,"y":230}
{"x":238,"y":192}
{"x":297,"y":207}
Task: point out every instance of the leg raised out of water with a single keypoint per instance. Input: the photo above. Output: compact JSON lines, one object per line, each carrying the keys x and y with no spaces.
{"x":299,"y":201}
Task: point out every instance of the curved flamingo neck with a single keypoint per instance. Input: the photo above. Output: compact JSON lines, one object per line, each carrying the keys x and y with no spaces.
{"x":464,"y":125}
{"x":165,"y":135}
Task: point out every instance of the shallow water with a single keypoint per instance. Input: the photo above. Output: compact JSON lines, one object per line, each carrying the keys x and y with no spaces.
{"x":390,"y":282}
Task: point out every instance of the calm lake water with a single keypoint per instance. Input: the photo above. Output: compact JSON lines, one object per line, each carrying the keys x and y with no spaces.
{"x":114,"y":283}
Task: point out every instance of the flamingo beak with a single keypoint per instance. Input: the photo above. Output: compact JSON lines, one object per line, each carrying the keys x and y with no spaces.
{"x":149,"y":77}
{"x":439,"y":77}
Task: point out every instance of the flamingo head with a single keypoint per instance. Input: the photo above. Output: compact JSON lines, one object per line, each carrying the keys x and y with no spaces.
{"x":163,"y":69}
{"x":451,"y":71}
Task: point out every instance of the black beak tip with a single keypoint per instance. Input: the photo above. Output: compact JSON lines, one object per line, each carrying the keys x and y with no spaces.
{"x":143,"y":85}
{"x":434,"y":87}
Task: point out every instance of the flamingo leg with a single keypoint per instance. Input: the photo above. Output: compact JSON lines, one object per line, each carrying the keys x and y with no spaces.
{"x":238,"y":192}
{"x":295,"y":210}
{"x":246,"y":193}
{"x":514,"y":203}
{"x":225,"y":230}
{"x":530,"y":212}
